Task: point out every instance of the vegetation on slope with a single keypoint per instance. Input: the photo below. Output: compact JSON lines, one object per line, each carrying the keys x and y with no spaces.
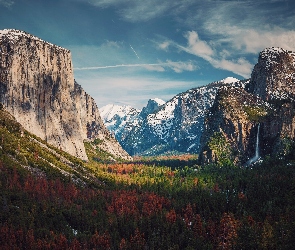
{"x":50,"y":200}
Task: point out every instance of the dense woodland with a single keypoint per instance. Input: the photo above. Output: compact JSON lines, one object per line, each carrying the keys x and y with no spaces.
{"x":151,"y":203}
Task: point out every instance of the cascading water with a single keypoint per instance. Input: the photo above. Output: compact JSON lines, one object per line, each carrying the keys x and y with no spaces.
{"x":256,"y":156}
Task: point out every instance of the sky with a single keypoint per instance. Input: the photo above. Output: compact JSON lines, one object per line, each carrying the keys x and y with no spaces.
{"x":125,"y":52}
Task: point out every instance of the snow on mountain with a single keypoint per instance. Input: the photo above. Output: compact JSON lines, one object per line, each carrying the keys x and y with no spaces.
{"x":159,"y":128}
{"x":14,"y":35}
{"x":159,"y":101}
{"x":117,"y":118}
{"x":275,"y":74}
{"x":230,"y":80}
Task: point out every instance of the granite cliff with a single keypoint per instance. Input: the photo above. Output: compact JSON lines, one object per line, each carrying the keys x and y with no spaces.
{"x":37,"y":87}
{"x":267,"y":101}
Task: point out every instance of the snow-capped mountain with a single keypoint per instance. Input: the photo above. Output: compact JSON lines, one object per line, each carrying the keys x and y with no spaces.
{"x":160,"y":128}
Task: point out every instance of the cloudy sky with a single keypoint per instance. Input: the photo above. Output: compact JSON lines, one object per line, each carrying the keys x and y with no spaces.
{"x":127,"y":51}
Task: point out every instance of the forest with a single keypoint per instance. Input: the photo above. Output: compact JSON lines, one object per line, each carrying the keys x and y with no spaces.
{"x":51,"y":200}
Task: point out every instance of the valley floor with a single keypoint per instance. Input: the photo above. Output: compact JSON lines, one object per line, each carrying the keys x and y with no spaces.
{"x":51,"y":200}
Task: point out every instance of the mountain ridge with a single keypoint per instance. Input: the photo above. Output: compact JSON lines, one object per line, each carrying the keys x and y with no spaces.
{"x":171,"y":127}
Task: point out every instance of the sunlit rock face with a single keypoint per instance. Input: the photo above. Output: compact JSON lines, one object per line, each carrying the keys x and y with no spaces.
{"x":37,"y":87}
{"x":273,"y":77}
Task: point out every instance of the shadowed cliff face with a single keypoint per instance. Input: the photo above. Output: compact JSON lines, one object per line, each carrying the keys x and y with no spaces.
{"x":235,"y":114}
{"x":273,"y":79}
{"x":268,"y":101}
{"x":37,"y":87}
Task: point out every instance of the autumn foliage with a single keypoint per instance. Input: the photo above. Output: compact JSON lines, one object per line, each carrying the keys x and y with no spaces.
{"x":157,"y":208}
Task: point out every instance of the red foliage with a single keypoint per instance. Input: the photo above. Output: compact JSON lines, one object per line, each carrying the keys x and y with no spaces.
{"x":171,"y":216}
{"x":132,"y":203}
{"x":242,"y":196}
{"x":228,"y":229}
{"x":198,"y":226}
{"x":123,"y":168}
{"x":124,"y":203}
{"x":123,"y":244}
{"x":153,"y":204}
{"x":216,"y":188}
{"x":100,"y":241}
{"x":188,"y":215}
{"x":137,"y":240}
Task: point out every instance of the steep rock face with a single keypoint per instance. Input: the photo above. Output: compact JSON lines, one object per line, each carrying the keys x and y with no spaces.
{"x":37,"y":87}
{"x":273,"y":77}
{"x":151,"y":107}
{"x":235,"y":114}
{"x":272,"y":83}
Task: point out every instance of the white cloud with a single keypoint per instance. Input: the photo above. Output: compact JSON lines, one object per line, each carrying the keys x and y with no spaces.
{"x":221,"y":60}
{"x":254,"y":41}
{"x":240,"y":67}
{"x":114,"y":44}
{"x":135,"y":10}
{"x":177,"y":67}
{"x":157,"y":68}
{"x":197,"y":46}
{"x":164,"y":45}
{"x":6,"y":3}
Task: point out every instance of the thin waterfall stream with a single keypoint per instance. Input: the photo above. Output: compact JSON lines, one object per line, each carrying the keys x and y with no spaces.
{"x":256,"y":156}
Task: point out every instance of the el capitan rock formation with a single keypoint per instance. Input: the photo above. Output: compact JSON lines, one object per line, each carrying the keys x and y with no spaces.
{"x":37,"y":87}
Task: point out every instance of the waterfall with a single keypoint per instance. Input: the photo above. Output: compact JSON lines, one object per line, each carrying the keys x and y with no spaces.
{"x":256,"y":156}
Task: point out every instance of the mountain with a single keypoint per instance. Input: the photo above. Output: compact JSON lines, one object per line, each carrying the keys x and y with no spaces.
{"x":162,"y":128}
{"x":267,"y":103}
{"x":37,"y":87}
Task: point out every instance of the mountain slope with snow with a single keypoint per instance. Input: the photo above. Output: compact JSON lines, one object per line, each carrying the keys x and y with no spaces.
{"x":162,"y":128}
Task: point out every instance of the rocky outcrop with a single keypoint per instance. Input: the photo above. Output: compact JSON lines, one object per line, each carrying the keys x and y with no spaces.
{"x":235,"y":114}
{"x":151,"y":107}
{"x":273,"y":77}
{"x":268,"y":100}
{"x":37,"y":87}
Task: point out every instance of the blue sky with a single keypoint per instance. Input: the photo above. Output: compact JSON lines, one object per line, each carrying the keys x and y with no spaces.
{"x":127,"y":51}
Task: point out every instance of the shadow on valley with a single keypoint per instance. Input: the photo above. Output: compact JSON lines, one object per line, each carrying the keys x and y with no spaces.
{"x":173,"y":161}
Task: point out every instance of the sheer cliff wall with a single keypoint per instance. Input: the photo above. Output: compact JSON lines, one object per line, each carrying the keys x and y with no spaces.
{"x":37,"y":87}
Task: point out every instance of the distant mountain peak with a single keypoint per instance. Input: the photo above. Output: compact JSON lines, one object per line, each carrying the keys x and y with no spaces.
{"x":158,"y":100}
{"x":173,"y":126}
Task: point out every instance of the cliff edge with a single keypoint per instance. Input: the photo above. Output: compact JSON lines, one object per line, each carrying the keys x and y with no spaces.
{"x":37,"y":87}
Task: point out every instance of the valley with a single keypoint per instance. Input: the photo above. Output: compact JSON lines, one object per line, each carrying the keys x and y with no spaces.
{"x":169,"y":176}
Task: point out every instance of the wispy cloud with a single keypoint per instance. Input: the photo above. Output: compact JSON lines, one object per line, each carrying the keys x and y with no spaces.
{"x":133,"y":91}
{"x":203,"y":49}
{"x":253,"y":41}
{"x":134,"y":10}
{"x":6,"y":3}
{"x":177,"y":67}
